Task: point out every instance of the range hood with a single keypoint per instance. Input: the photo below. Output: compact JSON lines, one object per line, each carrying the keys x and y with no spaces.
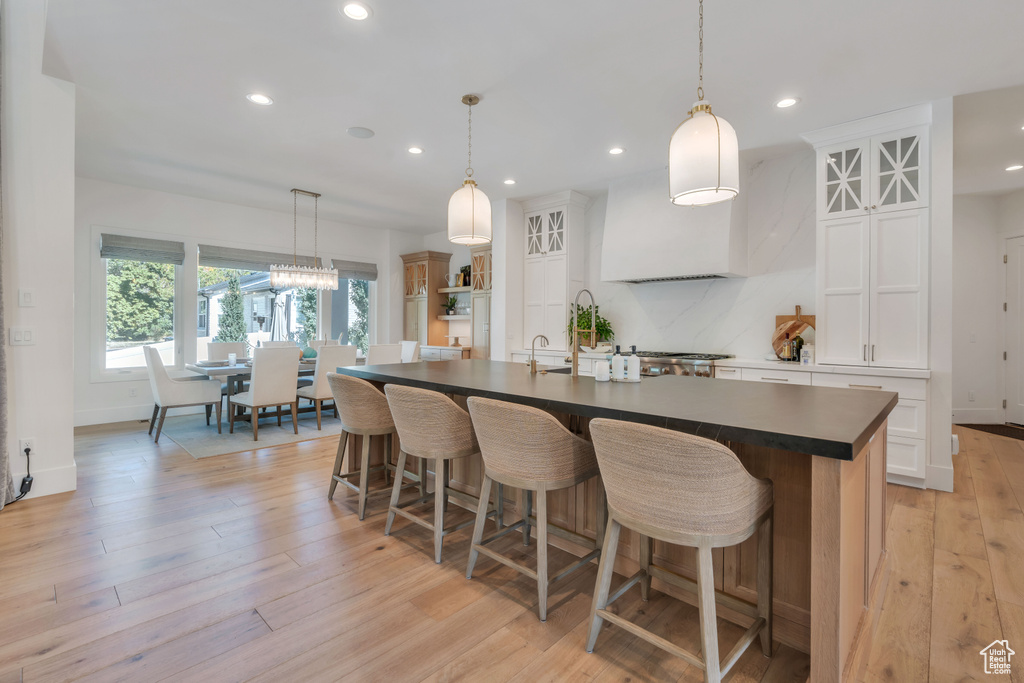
{"x":647,"y":238}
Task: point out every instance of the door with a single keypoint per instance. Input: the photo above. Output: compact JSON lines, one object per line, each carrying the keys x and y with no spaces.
{"x":555,"y":304}
{"x":533,"y":299}
{"x":899,"y":290}
{"x":843,"y":284}
{"x":481,"y":309}
{"x":535,"y":236}
{"x":843,"y":177}
{"x":899,"y":170}
{"x":555,"y":237}
{"x":422,"y":324}
{"x":412,"y":321}
{"x":1015,"y":330}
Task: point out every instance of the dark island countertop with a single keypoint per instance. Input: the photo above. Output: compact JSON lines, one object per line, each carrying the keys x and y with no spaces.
{"x":822,"y":421}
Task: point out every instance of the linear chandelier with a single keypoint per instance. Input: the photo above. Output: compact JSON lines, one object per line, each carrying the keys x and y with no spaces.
{"x":305,"y":277}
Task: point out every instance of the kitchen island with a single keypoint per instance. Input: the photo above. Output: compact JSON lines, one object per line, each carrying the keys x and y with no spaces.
{"x":824,"y":449}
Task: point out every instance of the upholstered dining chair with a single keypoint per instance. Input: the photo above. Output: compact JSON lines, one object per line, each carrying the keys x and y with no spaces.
{"x":315,"y":344}
{"x":274,"y":374}
{"x":220,"y":350}
{"x":384,"y":354}
{"x":328,"y":359}
{"x":176,"y":393}
{"x":410,"y":351}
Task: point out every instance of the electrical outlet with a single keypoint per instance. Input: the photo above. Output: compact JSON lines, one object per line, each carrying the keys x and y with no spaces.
{"x":970,"y":395}
{"x":26,"y":443}
{"x":974,"y":338}
{"x":133,"y":392}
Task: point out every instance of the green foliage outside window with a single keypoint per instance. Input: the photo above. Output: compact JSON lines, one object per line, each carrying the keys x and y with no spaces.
{"x":232,"y":316}
{"x":307,"y":316}
{"x":358,"y":329}
{"x":140,"y":301}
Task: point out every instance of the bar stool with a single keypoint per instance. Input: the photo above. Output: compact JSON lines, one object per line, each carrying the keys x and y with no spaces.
{"x":529,"y":449}
{"x":364,"y":411}
{"x":430,"y":427}
{"x":686,"y":490}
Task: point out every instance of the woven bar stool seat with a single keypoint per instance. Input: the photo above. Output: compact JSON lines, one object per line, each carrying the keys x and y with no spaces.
{"x":364,"y":411}
{"x":529,"y":449}
{"x":687,"y":490}
{"x":430,"y":427}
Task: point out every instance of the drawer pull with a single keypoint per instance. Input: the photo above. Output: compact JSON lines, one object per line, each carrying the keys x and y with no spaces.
{"x":727,"y":369}
{"x":774,"y":379}
{"x":866,"y":386}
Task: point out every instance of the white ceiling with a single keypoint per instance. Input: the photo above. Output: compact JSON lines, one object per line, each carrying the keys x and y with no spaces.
{"x":161,"y":88}
{"x":987,"y":137}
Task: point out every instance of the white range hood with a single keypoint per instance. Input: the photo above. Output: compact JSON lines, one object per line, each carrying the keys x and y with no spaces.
{"x":647,"y":238}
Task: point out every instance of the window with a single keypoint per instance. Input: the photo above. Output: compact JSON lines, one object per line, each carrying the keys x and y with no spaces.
{"x":350,"y":313}
{"x":140,"y":311}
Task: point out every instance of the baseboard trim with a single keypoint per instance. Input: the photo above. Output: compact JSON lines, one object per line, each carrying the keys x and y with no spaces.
{"x":101,"y":416}
{"x":904,"y":480}
{"x":939,"y":478}
{"x":48,"y":482}
{"x":981,"y":416}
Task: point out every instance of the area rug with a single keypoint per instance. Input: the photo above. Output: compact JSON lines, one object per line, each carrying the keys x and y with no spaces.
{"x":191,"y":433}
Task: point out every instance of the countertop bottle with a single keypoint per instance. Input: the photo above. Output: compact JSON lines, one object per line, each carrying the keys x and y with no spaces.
{"x":787,"y":349}
{"x":798,"y":343}
{"x":618,"y":365}
{"x":633,"y":369}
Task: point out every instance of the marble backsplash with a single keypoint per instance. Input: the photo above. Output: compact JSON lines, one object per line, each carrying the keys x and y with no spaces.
{"x":737,"y":315}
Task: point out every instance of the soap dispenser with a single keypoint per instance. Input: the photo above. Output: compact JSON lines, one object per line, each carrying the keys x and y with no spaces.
{"x":618,"y":365}
{"x":633,"y":370}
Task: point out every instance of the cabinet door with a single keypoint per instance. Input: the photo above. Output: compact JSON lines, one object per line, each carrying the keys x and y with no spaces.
{"x":899,"y":290}
{"x":412,"y":321}
{"x":843,"y":291}
{"x":555,"y":304}
{"x":481,"y":310}
{"x":843,"y":178}
{"x":899,"y":168}
{"x":533,"y":299}
{"x":422,"y":324}
{"x":410,"y":279}
{"x":479,"y":271}
{"x":535,"y":236}
{"x":555,"y":232}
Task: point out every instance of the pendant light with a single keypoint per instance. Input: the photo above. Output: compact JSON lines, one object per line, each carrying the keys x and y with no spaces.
{"x":306,"y":277}
{"x":469,"y":210}
{"x":703,"y":156}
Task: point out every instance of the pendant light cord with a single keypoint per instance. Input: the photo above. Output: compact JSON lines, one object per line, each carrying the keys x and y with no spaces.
{"x":295,"y":228}
{"x":469,"y":154}
{"x":316,"y":232}
{"x":700,"y":33}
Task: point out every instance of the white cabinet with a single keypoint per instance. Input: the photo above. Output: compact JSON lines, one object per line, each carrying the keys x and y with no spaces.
{"x":776,"y":376}
{"x":480,"y":312}
{"x":416,"y":324}
{"x":887,"y":172}
{"x":873,"y":290}
{"x":553,"y":265}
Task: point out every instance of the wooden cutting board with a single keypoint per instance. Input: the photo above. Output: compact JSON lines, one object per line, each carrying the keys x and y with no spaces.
{"x":791,"y":325}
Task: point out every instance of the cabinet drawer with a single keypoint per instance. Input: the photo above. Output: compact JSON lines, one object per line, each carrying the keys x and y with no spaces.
{"x":429,"y":354}
{"x":905,"y":456}
{"x":451,"y":354}
{"x":916,"y":389}
{"x":776,"y":376}
{"x":520,"y":358}
{"x":910,"y":419}
{"x":727,"y":373}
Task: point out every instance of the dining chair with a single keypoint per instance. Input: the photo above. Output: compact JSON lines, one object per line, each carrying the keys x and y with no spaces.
{"x":316,"y":344}
{"x":410,"y":351}
{"x":274,"y":375}
{"x":329,"y":359}
{"x":384,"y":354}
{"x":278,"y":345}
{"x":176,"y":393}
{"x":220,"y":350}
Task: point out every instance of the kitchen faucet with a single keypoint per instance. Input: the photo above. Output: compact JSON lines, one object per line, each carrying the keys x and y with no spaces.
{"x":576,"y":329}
{"x":533,"y":350}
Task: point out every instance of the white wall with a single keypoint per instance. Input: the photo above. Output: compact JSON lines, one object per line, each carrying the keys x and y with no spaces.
{"x":507,"y":278}
{"x":977,"y":311}
{"x":39,"y":194}
{"x":735,"y":316}
{"x":111,"y":207}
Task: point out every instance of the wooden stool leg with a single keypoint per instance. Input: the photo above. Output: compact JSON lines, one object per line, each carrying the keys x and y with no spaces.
{"x":388,"y":445}
{"x":364,"y":476}
{"x":279,"y":416}
{"x":160,"y":425}
{"x":604,"y":581}
{"x":527,"y":511}
{"x":152,"y":420}
{"x":478,"y":527}
{"x":646,"y":550}
{"x":219,"y":409}
{"x":439,"y":498}
{"x":231,"y":418}
{"x":396,"y":491}
{"x":708,"y":616}
{"x":255,"y":425}
{"x":765,"y":559}
{"x":447,"y":467}
{"x":318,"y":403}
{"x":422,"y":469}
{"x":542,"y":554}
{"x":499,"y":507}
{"x":602,"y":511}
{"x":209,"y":412}
{"x":295,"y":416}
{"x":337,"y":464}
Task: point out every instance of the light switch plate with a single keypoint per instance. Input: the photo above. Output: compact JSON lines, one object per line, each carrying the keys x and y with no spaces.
{"x":22,"y":336}
{"x":26,"y":298}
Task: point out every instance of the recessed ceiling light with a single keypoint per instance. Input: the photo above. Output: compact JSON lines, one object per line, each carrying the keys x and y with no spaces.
{"x":1015,"y":167}
{"x":415,"y":150}
{"x":616,"y":150}
{"x":360,"y":132}
{"x":258,"y":98}
{"x":356,"y":10}
{"x":510,"y":181}
{"x":787,"y":102}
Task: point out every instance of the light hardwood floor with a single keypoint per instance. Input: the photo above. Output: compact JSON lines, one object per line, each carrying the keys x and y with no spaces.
{"x":232,"y":568}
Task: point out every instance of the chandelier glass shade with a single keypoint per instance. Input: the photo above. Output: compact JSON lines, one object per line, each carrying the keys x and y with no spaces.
{"x":304,"y":277}
{"x":469,"y":210}
{"x":704,"y":154}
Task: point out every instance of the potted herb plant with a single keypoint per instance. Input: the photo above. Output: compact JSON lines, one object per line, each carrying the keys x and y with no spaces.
{"x":603,"y":327}
{"x":449,"y":305}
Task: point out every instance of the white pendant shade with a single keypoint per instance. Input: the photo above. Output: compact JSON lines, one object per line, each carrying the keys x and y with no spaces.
{"x":703,"y":160}
{"x":469,"y":216}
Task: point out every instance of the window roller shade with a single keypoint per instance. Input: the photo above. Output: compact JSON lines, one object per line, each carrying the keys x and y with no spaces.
{"x":355,"y":270}
{"x":142,"y":249}
{"x":248,"y":259}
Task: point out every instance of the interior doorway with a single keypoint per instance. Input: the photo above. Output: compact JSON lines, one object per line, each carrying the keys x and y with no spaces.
{"x":1014,"y":338}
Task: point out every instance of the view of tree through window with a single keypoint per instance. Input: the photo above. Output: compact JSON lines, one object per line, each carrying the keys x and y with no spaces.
{"x":359,"y":324}
{"x":140,"y":311}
